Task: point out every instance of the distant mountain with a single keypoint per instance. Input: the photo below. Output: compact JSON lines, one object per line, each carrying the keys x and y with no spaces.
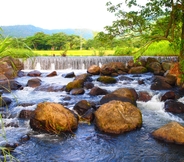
{"x":23,"y":31}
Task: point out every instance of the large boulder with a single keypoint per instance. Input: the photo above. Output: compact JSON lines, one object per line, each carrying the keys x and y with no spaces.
{"x":168,"y":95}
{"x":176,"y":72}
{"x":160,"y":83}
{"x":129,"y":93}
{"x":121,"y":94}
{"x":53,"y":118}
{"x":74,"y":84}
{"x":7,"y":85}
{"x":94,"y":70}
{"x":117,"y":117}
{"x":172,"y":132}
{"x":113,"y":67}
{"x":174,"y":106}
{"x":10,"y":66}
{"x":13,"y":62}
{"x":7,"y":70}
{"x":109,"y":97}
{"x":137,"y":70}
{"x":155,"y":67}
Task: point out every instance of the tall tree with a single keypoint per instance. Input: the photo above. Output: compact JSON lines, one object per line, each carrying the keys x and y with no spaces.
{"x":151,"y":20}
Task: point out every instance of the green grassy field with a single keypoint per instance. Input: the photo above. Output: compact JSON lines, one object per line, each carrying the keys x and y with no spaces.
{"x":73,"y":52}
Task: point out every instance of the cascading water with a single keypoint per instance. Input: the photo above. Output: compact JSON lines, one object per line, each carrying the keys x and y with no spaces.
{"x":59,"y":63}
{"x":88,"y":144}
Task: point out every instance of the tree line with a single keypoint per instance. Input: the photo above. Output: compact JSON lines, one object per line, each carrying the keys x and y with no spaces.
{"x":62,"y":41}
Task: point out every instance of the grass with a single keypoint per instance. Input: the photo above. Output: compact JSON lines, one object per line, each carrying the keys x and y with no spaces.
{"x":162,"y":48}
{"x":72,"y":52}
{"x":18,"y":53}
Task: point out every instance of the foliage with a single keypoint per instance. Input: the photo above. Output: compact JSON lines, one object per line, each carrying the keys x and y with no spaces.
{"x":101,"y":51}
{"x":123,"y":51}
{"x":153,"y":21}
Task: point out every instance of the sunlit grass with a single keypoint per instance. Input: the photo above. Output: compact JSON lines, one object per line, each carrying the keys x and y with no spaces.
{"x":18,"y":53}
{"x":72,"y":52}
{"x":162,"y":48}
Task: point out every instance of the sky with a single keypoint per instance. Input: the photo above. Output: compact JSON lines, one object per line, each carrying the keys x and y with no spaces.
{"x":57,"y":14}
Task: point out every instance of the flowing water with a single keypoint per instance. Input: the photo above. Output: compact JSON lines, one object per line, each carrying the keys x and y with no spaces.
{"x":88,"y":144}
{"x":58,"y":63}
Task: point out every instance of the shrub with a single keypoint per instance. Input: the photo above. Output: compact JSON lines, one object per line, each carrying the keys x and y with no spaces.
{"x":123,"y":51}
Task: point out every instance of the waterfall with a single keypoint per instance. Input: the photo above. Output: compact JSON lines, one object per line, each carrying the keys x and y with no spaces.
{"x":60,"y":63}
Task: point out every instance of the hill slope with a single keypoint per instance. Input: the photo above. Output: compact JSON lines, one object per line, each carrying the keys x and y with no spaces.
{"x":23,"y":31}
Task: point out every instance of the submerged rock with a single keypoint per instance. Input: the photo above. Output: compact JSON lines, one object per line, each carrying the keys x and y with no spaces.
{"x":118,"y":117}
{"x":54,"y":73}
{"x":34,"y":82}
{"x":98,"y":91}
{"x":106,"y":79}
{"x":53,"y":118}
{"x":174,"y":106}
{"x":160,"y":83}
{"x":172,"y":132}
{"x":34,"y":73}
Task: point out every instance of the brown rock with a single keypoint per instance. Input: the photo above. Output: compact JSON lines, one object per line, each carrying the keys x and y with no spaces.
{"x":34,"y":73}
{"x":15,"y":63}
{"x":160,"y":83}
{"x":137,"y":70}
{"x":50,"y":88}
{"x":172,"y":132}
{"x":166,"y":66}
{"x":107,"y":79}
{"x":155,"y":67}
{"x":26,"y":114}
{"x":74,"y":84}
{"x":118,"y":117}
{"x":10,"y":66}
{"x":168,"y":95}
{"x":109,"y":97}
{"x":82,"y":107}
{"x":175,"y":71}
{"x":129,"y":93}
{"x":53,"y":118}
{"x":69,"y":75}
{"x":34,"y":82}
{"x":112,"y":67}
{"x":98,"y":91}
{"x":54,"y":73}
{"x":174,"y":106}
{"x":94,"y":70}
{"x":77,"y":91}
{"x":144,"y":96}
{"x":9,"y":85}
{"x":88,"y":85}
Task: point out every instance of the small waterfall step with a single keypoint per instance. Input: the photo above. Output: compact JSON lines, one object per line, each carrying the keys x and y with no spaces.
{"x":60,"y":63}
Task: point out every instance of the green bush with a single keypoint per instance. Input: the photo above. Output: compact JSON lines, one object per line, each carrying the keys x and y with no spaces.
{"x":161,"y":48}
{"x":123,"y":51}
{"x":101,"y":51}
